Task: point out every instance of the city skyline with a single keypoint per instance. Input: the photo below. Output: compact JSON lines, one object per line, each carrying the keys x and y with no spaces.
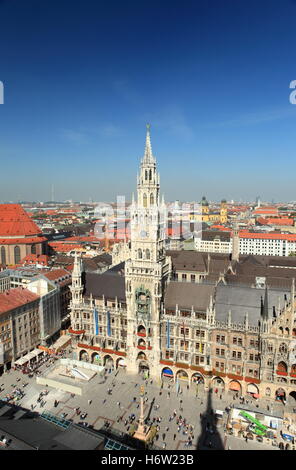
{"x":81,"y":85}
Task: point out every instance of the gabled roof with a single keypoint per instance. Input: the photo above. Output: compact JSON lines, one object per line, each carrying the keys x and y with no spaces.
{"x":241,"y":300}
{"x":58,"y":275}
{"x":187,"y":295}
{"x":187,"y":260}
{"x":110,"y":285}
{"x":14,"y":298}
{"x":35,"y":259}
{"x":14,"y":221}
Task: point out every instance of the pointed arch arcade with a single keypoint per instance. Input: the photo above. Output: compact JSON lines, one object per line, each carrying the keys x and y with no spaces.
{"x":17,"y":254}
{"x":3,"y":255}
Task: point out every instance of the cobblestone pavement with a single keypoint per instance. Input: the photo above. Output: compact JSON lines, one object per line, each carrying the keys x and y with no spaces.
{"x":105,"y":407}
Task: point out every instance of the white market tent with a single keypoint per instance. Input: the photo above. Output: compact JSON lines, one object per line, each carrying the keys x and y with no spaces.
{"x":61,"y":342}
{"x":31,"y":355}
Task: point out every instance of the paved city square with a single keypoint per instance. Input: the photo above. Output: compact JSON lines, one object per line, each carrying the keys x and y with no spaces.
{"x":161,"y":401}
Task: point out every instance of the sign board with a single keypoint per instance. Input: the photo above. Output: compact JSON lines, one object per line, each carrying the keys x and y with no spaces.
{"x":288,"y":437}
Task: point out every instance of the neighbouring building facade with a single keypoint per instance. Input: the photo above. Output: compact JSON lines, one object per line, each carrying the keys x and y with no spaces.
{"x":19,"y":324}
{"x":252,"y":243}
{"x":219,"y":321}
{"x":19,"y":235}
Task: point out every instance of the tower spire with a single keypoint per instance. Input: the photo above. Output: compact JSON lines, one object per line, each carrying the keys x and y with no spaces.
{"x":148,"y":157}
{"x":264,"y":305}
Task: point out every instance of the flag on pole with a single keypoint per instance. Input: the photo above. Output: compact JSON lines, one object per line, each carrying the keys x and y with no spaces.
{"x":108,"y":324}
{"x":184,"y":330}
{"x":96,"y":321}
{"x":168,"y":334}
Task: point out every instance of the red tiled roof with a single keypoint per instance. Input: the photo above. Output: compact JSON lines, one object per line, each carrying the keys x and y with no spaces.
{"x":33,"y":259}
{"x":21,"y":241}
{"x":70,"y":267}
{"x":220,"y":227}
{"x":14,"y":221}
{"x":266,"y":210}
{"x":268,"y":236}
{"x":14,"y":298}
{"x":56,"y":274}
{"x":275,"y":221}
{"x":82,"y":239}
{"x":61,"y":247}
{"x":280,"y":221}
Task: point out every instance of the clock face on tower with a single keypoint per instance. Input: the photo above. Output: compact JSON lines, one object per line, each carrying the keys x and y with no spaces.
{"x":143,"y":234}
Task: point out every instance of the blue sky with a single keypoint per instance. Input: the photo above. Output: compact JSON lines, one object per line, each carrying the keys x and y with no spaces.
{"x":82,"y":78}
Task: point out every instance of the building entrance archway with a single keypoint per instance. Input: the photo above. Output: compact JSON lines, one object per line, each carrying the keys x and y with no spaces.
{"x":197,"y":379}
{"x":218,"y":385}
{"x":83,"y":356}
{"x":292,"y":398}
{"x":280,"y":395}
{"x":96,"y":359}
{"x":108,"y":362}
{"x":144,"y":368}
{"x":182,"y":378}
{"x":235,"y":386}
{"x":253,"y":390}
{"x":167,"y":374}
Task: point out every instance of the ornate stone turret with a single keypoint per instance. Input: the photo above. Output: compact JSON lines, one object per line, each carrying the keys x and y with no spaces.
{"x":77,"y":288}
{"x":223,"y":211}
{"x":235,"y":243}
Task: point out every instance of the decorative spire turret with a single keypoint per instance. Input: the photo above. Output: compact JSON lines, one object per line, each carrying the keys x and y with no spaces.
{"x":265,"y":305}
{"x":148,"y":157}
{"x":76,"y":287}
{"x":148,"y":179}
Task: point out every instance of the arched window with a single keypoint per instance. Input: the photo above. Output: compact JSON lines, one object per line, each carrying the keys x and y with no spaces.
{"x":283,"y":348}
{"x":147,"y":254}
{"x":282,"y":367}
{"x":151,"y":199}
{"x":17,"y":254}
{"x":146,"y":175}
{"x":145,"y":200}
{"x":3,"y":255}
{"x":150,"y":175}
{"x":139,"y":253}
{"x":33,"y":249}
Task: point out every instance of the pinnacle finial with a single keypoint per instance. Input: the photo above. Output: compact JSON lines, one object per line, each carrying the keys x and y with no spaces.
{"x":148,"y":157}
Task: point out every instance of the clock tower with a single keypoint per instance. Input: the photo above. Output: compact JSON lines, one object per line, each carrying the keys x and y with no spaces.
{"x":147,"y":269}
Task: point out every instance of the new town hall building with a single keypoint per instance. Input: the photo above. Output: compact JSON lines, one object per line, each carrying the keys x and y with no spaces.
{"x":223,"y":322}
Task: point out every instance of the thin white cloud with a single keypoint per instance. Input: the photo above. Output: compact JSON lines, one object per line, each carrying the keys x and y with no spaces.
{"x":173,"y":121}
{"x":251,"y":119}
{"x":110,"y":130}
{"x":74,"y":136}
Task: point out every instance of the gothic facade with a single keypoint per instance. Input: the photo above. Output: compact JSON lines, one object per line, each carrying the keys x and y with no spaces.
{"x":175,"y":315}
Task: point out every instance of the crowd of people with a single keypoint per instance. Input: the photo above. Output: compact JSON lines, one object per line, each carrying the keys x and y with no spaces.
{"x":32,"y":367}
